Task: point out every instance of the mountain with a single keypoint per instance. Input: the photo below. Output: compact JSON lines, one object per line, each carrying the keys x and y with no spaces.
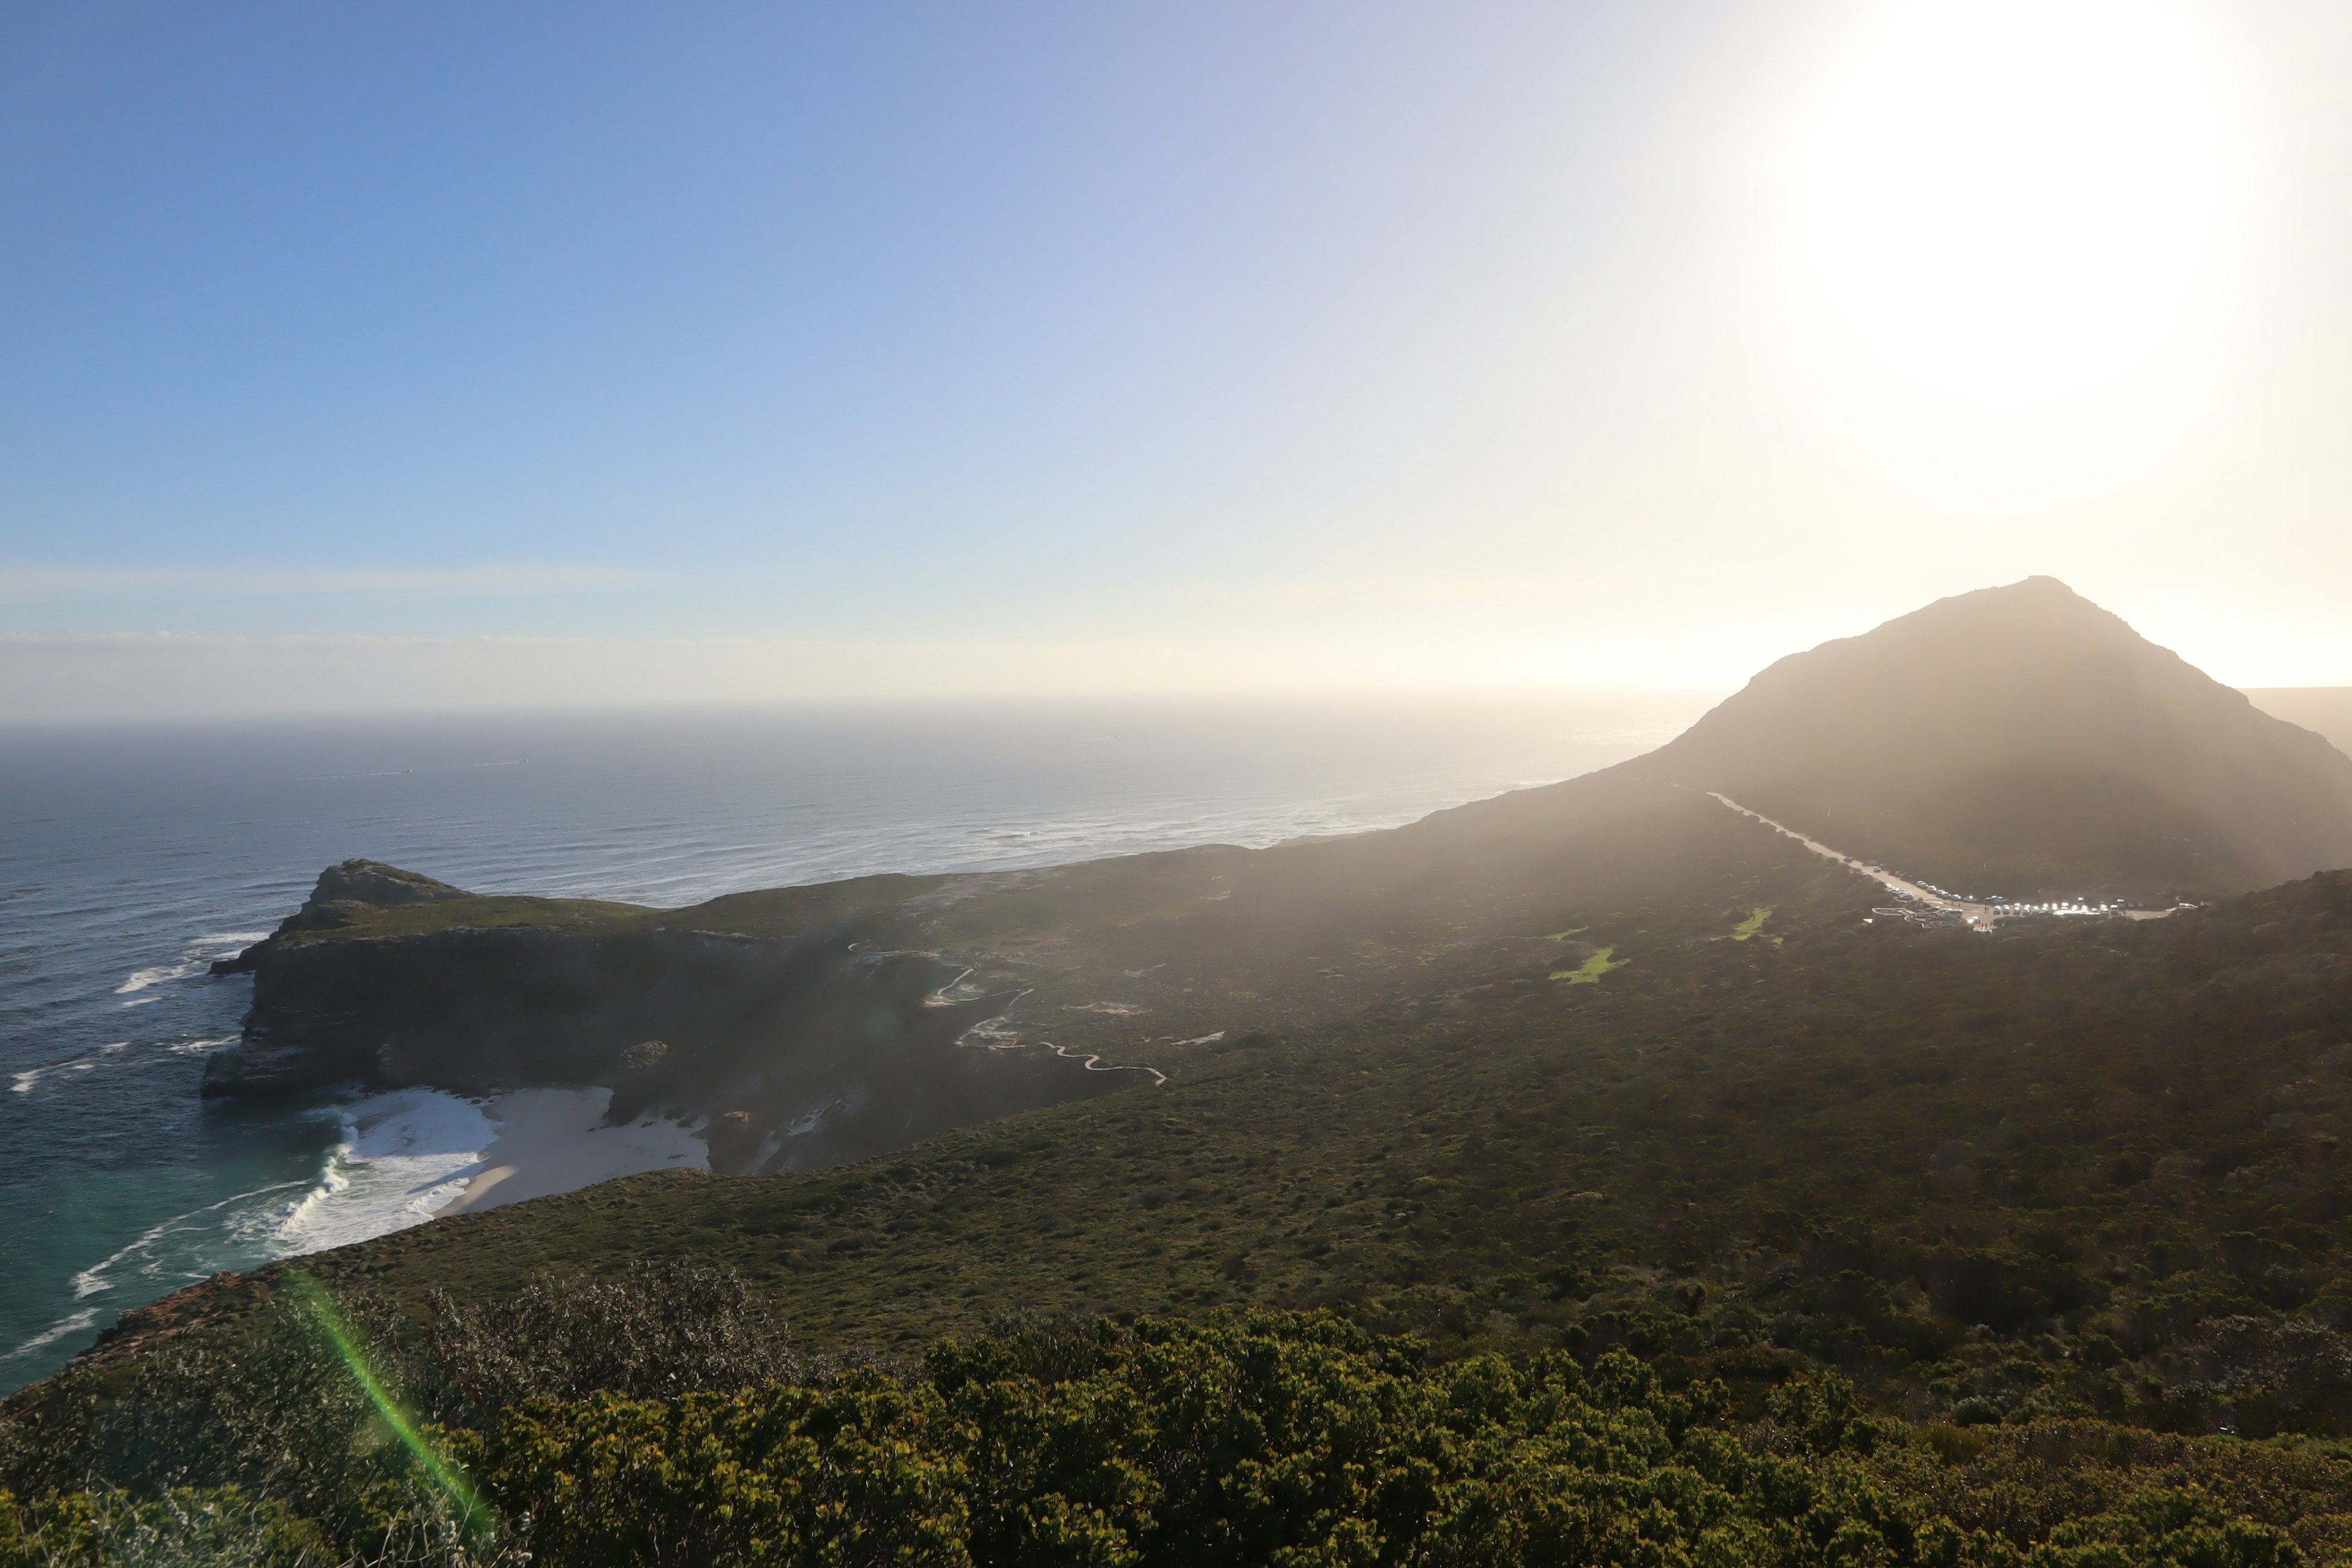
{"x":2327,"y":709}
{"x":2020,"y":740}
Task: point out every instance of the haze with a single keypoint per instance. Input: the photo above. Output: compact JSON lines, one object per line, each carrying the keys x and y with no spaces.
{"x":438,"y":356}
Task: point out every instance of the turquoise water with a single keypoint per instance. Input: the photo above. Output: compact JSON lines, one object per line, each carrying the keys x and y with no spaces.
{"x":130,"y":857}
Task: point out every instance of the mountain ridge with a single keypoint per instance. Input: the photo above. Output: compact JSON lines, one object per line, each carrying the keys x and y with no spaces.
{"x":2022,"y":740}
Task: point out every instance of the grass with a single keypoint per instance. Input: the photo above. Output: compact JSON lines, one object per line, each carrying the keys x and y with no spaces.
{"x":1599,"y":964}
{"x":1843,"y":1136}
{"x":582,"y":916}
{"x":776,"y":912}
{"x":1752,"y":924}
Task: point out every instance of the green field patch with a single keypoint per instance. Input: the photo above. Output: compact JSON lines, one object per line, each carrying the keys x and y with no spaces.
{"x":772,"y":912}
{"x":1752,"y":924}
{"x":579,"y":916}
{"x":1599,"y":964}
{"x":1564,"y":935}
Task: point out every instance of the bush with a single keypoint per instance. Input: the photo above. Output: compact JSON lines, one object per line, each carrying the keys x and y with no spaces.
{"x":1267,"y":1439}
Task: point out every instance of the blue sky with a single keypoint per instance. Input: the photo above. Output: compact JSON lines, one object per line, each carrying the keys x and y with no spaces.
{"x":792,"y":294}
{"x":1123,"y":333}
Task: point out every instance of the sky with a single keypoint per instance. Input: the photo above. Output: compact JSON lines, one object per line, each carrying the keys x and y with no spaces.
{"x":442,"y":355}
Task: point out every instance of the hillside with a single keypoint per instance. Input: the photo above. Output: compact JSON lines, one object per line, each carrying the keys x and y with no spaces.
{"x":2043,"y":1197}
{"x":2325,"y":710}
{"x":2022,"y":740}
{"x":845,"y":1020}
{"x":1948,"y":1162}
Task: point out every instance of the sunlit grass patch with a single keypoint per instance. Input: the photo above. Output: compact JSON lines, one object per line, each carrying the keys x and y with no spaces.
{"x":1599,"y":964}
{"x":1752,"y":924}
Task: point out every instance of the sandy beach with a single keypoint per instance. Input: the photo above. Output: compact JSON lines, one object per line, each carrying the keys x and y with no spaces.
{"x":551,"y":1140}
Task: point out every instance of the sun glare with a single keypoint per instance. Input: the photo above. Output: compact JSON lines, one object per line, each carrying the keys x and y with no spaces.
{"x":2015,"y":201}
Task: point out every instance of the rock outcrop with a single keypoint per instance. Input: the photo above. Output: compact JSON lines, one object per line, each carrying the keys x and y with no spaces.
{"x":344,"y":892}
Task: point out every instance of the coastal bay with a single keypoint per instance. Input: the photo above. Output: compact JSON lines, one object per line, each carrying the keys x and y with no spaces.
{"x":554,"y":1140}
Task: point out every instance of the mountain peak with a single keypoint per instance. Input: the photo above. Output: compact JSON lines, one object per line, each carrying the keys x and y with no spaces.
{"x":2021,"y":738}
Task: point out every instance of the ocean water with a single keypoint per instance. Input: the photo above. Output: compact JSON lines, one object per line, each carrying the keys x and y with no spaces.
{"x":130,"y":857}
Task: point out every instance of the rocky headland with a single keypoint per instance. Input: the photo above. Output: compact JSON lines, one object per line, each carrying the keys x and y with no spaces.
{"x":797,"y":1047}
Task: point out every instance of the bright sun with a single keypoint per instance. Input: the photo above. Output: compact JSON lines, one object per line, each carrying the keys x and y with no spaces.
{"x":2014,"y":201}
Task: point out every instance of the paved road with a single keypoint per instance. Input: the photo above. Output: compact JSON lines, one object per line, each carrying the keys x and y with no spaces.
{"x":1983,"y":917}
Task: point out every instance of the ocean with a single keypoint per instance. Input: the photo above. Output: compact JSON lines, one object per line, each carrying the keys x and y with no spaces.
{"x":132,"y":856}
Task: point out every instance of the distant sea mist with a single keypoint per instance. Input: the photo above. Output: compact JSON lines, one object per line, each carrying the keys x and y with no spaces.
{"x":131,"y":856}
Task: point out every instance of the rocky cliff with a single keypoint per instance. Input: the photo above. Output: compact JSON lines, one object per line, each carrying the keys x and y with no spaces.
{"x":800,"y":1050}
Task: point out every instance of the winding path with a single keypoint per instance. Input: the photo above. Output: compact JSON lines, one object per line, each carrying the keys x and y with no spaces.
{"x":1090,"y":1060}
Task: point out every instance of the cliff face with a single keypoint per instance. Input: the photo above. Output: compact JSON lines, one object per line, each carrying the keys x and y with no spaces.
{"x":801,"y":1051}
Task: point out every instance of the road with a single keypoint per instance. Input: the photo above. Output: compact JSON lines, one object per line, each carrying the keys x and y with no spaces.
{"x":1983,"y":917}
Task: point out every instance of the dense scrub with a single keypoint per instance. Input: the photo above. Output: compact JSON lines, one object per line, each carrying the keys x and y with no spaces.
{"x":1258,"y":1440}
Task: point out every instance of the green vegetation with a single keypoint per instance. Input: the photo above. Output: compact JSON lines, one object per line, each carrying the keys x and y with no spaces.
{"x":1753,"y":923}
{"x":1597,"y":964}
{"x":772,"y":912}
{"x":1879,"y":1244}
{"x":484,"y":913}
{"x":1257,"y":1438}
{"x":2071,"y":1172}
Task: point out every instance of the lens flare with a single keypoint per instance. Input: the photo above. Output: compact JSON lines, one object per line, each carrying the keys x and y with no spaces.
{"x":473,"y":1513}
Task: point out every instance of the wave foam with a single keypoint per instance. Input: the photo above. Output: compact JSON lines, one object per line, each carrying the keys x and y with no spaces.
{"x":93,"y":1280}
{"x":191,"y":1047}
{"x":23,"y":1082}
{"x":402,"y":1156}
{"x":73,"y":1323}
{"x":196,"y":955}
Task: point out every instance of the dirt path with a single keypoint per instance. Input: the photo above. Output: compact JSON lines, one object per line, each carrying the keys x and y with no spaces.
{"x":1001,"y":1034}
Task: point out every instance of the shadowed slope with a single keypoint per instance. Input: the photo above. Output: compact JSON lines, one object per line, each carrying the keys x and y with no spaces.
{"x":2325,"y":708}
{"x":2019,"y":739}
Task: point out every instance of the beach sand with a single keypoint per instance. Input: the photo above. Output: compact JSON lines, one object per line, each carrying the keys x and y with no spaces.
{"x":550,"y":1141}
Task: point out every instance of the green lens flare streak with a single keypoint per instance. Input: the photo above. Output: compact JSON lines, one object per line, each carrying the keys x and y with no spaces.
{"x":472,"y":1511}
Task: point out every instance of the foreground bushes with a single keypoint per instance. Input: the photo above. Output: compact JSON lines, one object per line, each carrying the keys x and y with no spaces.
{"x":1275,"y":1438}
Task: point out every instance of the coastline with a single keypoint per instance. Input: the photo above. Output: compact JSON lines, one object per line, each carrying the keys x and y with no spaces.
{"x":663,"y":809}
{"x":552,"y":1141}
